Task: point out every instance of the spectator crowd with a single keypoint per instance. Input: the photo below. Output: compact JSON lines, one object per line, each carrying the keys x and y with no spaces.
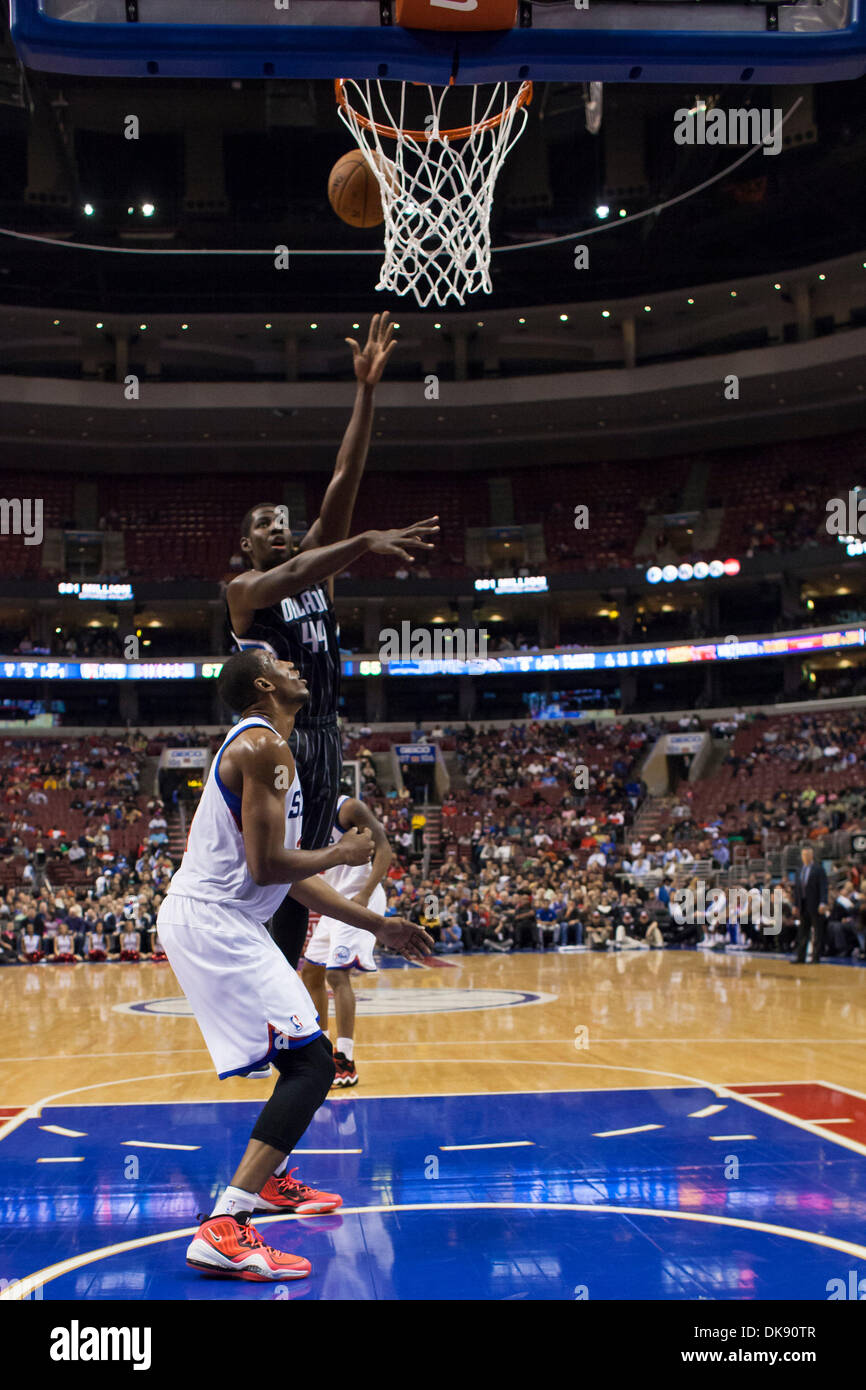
{"x":537,"y":846}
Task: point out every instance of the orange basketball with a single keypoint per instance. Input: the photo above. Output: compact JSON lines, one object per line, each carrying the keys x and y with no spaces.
{"x":353,"y":191}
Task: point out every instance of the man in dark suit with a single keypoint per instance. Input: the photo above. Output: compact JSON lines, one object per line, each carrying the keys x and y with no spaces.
{"x":811,"y":886}
{"x":523,"y":924}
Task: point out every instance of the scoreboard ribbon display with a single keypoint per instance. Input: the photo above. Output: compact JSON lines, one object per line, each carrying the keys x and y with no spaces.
{"x":609,"y":659}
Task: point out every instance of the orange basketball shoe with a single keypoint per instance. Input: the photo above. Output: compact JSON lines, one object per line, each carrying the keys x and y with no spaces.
{"x":229,"y":1247}
{"x":345,"y":1075}
{"x":285,"y":1193}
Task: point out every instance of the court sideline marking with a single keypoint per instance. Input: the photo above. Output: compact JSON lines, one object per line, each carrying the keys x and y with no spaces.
{"x":34,"y":1111}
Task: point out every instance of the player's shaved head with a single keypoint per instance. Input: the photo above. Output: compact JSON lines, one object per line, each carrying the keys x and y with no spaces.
{"x":236,"y":684}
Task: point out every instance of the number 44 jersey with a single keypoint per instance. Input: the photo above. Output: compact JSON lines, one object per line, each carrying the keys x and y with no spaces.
{"x":302,"y":629}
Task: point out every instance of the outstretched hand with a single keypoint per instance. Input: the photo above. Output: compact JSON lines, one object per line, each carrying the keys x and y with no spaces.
{"x":369,"y":362}
{"x":402,"y":936}
{"x":392,"y":542}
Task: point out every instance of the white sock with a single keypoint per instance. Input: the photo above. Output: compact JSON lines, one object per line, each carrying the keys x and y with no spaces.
{"x":234,"y":1202}
{"x":281,"y":1167}
{"x":347,"y":1047}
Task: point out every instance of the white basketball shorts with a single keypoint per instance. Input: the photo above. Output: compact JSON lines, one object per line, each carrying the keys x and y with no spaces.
{"x":247,"y":1000}
{"x":341,"y":947}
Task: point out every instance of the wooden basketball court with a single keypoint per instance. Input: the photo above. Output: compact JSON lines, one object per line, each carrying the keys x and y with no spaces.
{"x":588,"y":1020}
{"x":671,"y":1124}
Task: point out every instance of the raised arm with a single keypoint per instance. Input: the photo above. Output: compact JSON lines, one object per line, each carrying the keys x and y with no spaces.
{"x":265,"y":766}
{"x":260,"y":588}
{"x":335,"y":518}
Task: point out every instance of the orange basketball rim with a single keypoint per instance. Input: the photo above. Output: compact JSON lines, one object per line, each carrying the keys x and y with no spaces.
{"x":523,"y":98}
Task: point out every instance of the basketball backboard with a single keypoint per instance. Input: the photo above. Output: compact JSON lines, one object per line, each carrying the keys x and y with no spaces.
{"x":672,"y":41}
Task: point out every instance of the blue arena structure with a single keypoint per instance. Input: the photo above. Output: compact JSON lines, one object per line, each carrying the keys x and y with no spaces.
{"x":829,"y":46}
{"x":660,"y":1193}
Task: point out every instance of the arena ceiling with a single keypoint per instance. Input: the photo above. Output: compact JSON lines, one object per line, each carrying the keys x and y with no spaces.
{"x":243,"y":165}
{"x":204,"y":427}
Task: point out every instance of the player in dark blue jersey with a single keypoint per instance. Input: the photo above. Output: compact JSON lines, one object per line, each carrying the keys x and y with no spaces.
{"x":283,"y":603}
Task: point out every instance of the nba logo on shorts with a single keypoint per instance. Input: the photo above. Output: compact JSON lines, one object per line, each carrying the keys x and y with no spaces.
{"x":296,"y":1023}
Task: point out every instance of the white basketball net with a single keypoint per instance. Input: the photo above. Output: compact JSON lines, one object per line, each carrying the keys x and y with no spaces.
{"x":437,"y":193}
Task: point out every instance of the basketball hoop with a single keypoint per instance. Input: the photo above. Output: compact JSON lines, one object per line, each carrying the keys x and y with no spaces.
{"x":436,"y":185}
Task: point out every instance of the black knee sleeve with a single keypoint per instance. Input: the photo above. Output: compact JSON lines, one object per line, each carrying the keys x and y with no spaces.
{"x":305,"y":1077}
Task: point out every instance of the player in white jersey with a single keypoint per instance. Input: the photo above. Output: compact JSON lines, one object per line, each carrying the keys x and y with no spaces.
{"x":335,"y":949}
{"x":241,"y":860}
